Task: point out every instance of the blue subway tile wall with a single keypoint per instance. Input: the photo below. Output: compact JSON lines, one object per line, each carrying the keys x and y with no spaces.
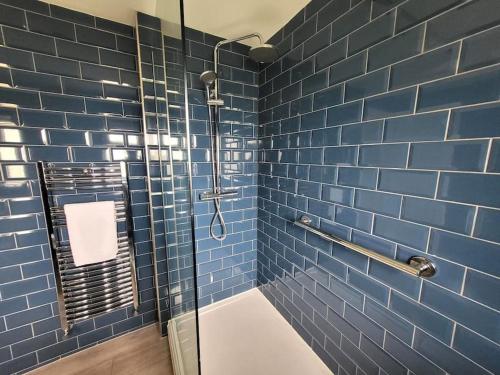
{"x":385,"y":134}
{"x":70,"y":94}
{"x":228,"y":267}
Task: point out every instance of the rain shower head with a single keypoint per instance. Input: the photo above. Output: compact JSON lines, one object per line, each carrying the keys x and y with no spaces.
{"x":263,"y":53}
{"x":208,"y":77}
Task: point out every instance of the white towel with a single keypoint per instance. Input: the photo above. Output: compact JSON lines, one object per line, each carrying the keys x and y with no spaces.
{"x":92,"y":231}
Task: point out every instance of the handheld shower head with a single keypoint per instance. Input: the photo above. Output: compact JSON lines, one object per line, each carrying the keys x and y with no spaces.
{"x":208,"y":77}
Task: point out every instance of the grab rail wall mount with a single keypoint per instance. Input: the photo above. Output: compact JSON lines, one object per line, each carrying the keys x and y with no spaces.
{"x":417,"y":265}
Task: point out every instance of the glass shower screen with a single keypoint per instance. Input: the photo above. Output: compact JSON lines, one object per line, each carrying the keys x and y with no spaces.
{"x":167,"y":143}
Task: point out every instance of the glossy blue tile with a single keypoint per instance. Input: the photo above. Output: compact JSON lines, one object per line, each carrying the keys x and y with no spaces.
{"x":494,"y":159}
{"x":482,"y":288}
{"x":365,"y":132}
{"x":77,"y":51}
{"x":470,"y":314}
{"x":396,"y":279}
{"x":395,"y":103}
{"x":323,"y":210}
{"x":16,"y":58}
{"x":12,"y":17}
{"x":348,"y":68}
{"x":331,"y":12}
{"x":332,"y":300}
{"x":337,"y":194}
{"x":470,"y":252}
{"x":353,"y":218}
{"x":62,"y":103}
{"x":461,"y":156}
{"x":36,"y":81}
{"x":376,"y":31}
{"x":117,"y":59}
{"x":340,"y":155}
{"x":324,"y":174}
{"x":344,"y":113}
{"x":358,"y":177}
{"x":368,"y":286}
{"x":479,"y":50}
{"x":29,"y":41}
{"x":473,"y":346}
{"x":408,"y":182}
{"x":103,"y":107}
{"x":352,"y":20}
{"x":303,"y":70}
{"x":96,"y":37}
{"x":383,"y":203}
{"x":390,"y":321}
{"x":449,"y":216}
{"x":81,"y":87}
{"x":379,"y":356}
{"x":416,"y":11}
{"x":393,"y":155}
{"x":99,"y":73}
{"x":395,"y":49}
{"x":367,"y":85}
{"x":325,"y":137}
{"x":22,"y":98}
{"x":300,"y":106}
{"x":471,"y":88}
{"x":363,"y":362}
{"x":55,"y":65}
{"x":343,"y":326}
{"x":315,"y":82}
{"x":425,"y":127}
{"x":402,"y":232}
{"x":303,"y":32}
{"x":332,"y":54}
{"x":382,"y":6}
{"x":313,"y":120}
{"x":476,"y":16}
{"x":471,"y":188}
{"x":71,"y":15}
{"x":367,"y":326}
{"x":427,"y":67}
{"x":443,"y":356}
{"x":319,"y":41}
{"x":486,"y":226}
{"x":409,"y":357}
{"x":50,"y":26}
{"x":474,"y":122}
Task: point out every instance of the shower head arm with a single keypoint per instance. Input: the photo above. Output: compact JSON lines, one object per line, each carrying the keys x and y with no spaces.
{"x":216,"y":54}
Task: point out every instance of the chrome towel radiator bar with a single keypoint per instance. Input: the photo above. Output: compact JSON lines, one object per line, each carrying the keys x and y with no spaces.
{"x":94,"y":289}
{"x":416,"y":266}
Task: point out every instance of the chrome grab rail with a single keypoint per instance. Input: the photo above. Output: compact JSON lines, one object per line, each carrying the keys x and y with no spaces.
{"x":416,"y":266}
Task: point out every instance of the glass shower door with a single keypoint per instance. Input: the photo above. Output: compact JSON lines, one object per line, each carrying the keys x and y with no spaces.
{"x":167,"y":144}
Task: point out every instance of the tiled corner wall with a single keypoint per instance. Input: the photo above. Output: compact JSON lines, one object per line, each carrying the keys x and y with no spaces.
{"x":73,"y":79}
{"x":228,"y":267}
{"x":381,"y":123}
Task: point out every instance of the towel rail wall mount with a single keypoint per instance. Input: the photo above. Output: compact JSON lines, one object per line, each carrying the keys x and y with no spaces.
{"x":417,"y":265}
{"x":94,"y":289}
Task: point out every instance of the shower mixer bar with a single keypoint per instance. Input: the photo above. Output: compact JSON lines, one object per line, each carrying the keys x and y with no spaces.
{"x":416,"y":266}
{"x":209,"y":195}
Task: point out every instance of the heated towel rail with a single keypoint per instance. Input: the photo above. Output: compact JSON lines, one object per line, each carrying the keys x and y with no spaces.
{"x":94,"y":289}
{"x":416,"y":266}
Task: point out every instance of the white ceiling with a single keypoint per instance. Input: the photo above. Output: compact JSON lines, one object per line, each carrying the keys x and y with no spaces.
{"x":224,"y":18}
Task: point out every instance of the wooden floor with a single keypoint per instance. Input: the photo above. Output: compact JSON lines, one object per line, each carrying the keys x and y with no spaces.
{"x":142,"y":352}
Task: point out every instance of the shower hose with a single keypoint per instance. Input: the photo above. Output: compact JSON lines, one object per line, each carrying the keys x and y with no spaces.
{"x":213,"y":126}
